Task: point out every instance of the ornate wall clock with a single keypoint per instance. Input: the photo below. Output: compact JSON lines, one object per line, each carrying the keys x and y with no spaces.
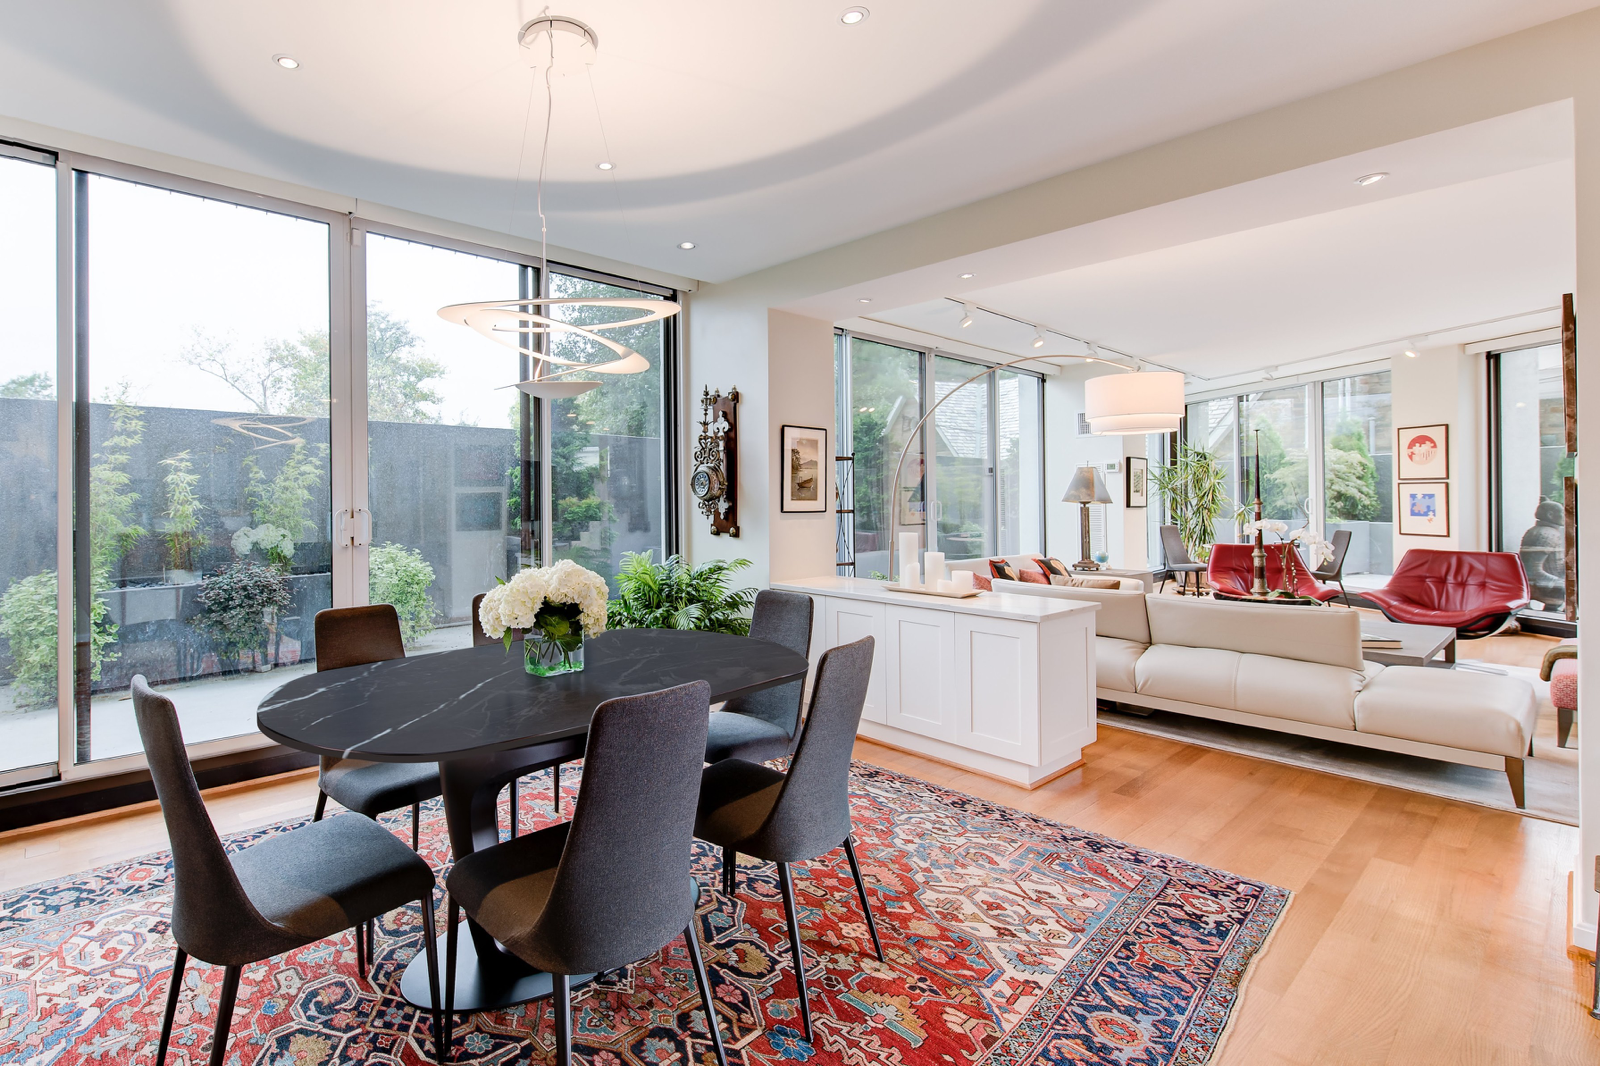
{"x":715,"y":480}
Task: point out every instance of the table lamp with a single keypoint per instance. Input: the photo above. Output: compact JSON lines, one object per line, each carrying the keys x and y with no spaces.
{"x":1087,"y":487}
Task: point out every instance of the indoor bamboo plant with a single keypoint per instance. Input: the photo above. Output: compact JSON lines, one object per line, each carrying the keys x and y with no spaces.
{"x":1194,"y":491}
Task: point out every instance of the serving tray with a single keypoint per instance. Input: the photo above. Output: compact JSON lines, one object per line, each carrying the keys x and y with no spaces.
{"x":923,"y":590}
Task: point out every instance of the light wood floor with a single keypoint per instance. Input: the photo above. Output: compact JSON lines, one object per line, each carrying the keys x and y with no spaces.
{"x":1422,"y":930}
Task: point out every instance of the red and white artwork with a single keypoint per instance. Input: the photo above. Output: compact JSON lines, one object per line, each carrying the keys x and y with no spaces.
{"x":1423,"y":453}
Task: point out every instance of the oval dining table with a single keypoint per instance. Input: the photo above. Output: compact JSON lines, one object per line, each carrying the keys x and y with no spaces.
{"x":486,"y":721}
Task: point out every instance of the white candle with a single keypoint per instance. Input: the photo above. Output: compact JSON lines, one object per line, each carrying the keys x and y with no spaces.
{"x":946,"y":586}
{"x":908,"y":550}
{"x":909,"y":576}
{"x":933,"y":566}
{"x":962,"y":580}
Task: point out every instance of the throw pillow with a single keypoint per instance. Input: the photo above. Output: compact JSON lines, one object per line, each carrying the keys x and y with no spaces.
{"x":982,"y":584}
{"x":1077,"y":582}
{"x":1054,"y":567}
{"x":1004,"y":570}
{"x":1032,"y":577}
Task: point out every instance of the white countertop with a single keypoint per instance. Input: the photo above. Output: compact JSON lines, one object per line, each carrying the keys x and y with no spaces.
{"x":989,"y":604}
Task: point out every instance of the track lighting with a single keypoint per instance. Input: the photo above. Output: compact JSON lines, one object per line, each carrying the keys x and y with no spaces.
{"x":966,"y":317}
{"x":1038,"y":339}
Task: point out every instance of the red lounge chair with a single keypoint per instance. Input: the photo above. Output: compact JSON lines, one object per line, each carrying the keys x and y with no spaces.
{"x":1231,"y":571}
{"x":1474,"y":593}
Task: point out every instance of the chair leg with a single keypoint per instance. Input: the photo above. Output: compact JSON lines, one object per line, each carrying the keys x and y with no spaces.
{"x":452,"y":926}
{"x":555,"y":798}
{"x":561,"y":999}
{"x":1563,"y":725}
{"x":322,"y":805}
{"x":361,"y":948}
{"x":516,"y":811}
{"x":704,"y":983}
{"x":372,"y":948}
{"x":730,"y":870}
{"x":1344,"y":592}
{"x":1514,"y":775}
{"x":430,"y":944}
{"x":172,"y":1005}
{"x":219,"y":1034}
{"x":861,"y":890}
{"x":795,"y":950}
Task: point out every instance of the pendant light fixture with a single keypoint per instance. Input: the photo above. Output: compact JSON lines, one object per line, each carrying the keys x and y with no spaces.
{"x":1143,"y":401}
{"x":514,"y":323}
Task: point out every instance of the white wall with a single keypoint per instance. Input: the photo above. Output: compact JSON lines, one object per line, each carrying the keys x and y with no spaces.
{"x":800,"y":378}
{"x":1446,"y":385}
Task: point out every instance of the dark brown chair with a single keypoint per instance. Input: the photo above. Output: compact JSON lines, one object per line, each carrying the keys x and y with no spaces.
{"x":1179,"y":562}
{"x":804,"y":814}
{"x":613,"y":885}
{"x":480,"y":638}
{"x":282,"y":893}
{"x":1333,"y":569}
{"x":357,"y":636}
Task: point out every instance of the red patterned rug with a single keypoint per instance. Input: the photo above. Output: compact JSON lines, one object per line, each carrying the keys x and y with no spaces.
{"x":1009,"y":940}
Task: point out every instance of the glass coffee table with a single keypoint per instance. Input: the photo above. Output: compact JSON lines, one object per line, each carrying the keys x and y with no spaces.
{"x":1418,"y":644}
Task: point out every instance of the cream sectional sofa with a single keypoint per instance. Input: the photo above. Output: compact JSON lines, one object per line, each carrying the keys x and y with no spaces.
{"x":1299,"y":670}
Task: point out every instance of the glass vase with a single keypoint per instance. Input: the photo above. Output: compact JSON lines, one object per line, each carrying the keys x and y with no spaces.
{"x":554,"y":643}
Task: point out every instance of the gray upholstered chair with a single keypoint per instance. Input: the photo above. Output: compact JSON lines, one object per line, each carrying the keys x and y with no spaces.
{"x":1179,"y":561}
{"x":804,"y":814}
{"x":356,"y":636}
{"x":611,"y":886}
{"x":762,"y":725}
{"x":481,"y":637}
{"x":282,"y":893}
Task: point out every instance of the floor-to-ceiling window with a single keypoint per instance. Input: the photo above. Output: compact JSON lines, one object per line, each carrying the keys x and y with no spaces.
{"x":1327,"y":460}
{"x":984,"y":492}
{"x":442,"y":434}
{"x":29,"y":664}
{"x":1530,"y":465}
{"x":607,"y":446}
{"x":202,"y":451}
{"x":223,"y":412}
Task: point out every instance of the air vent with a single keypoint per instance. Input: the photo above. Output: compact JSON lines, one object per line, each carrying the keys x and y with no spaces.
{"x":1083,"y":426}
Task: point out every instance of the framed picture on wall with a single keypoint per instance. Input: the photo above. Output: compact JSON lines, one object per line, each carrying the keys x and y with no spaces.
{"x":1425,"y":509}
{"x":1138,"y":483}
{"x":1423,"y":453}
{"x":804,"y":473}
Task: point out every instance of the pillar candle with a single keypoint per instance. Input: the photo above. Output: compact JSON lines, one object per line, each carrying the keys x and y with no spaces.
{"x":946,"y":586}
{"x":908,"y":550}
{"x":933,"y":566}
{"x":962,"y":579}
{"x":909,"y":576}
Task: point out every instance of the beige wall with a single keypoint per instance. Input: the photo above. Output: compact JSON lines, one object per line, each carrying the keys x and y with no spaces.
{"x":1548,"y":63}
{"x":1445,"y":385}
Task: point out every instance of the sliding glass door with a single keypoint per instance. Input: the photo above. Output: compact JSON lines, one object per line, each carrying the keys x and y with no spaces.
{"x":29,"y":588}
{"x":1529,"y":467}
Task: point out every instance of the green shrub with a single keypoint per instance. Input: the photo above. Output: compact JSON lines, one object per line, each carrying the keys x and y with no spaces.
{"x":234,"y":606}
{"x":402,"y":577}
{"x":674,"y":595}
{"x":28,"y":624}
{"x":183,"y":510}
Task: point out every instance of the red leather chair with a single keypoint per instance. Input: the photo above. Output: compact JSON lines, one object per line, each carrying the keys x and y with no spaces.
{"x":1231,"y":570}
{"x":1474,"y":593}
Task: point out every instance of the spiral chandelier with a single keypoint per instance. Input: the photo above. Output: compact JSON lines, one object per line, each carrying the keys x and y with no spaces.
{"x":516,"y":322}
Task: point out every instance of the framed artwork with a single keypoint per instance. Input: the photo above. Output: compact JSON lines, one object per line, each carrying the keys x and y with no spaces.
{"x":804,"y":479}
{"x":1138,"y":486}
{"x":1423,"y":453}
{"x":1425,"y":509}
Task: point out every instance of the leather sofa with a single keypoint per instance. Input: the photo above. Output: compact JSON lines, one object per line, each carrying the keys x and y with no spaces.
{"x":1299,"y":670}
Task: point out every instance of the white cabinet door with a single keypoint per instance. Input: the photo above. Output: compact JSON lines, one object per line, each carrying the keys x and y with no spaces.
{"x":845,"y":621}
{"x":996,"y":687}
{"x":918,"y":648}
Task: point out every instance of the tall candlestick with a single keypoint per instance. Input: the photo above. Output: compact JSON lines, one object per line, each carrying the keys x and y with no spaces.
{"x":1258,"y":465}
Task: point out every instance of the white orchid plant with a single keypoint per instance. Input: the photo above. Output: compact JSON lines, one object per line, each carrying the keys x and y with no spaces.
{"x":1265,"y":526}
{"x":1318,"y":551}
{"x":547,"y":599}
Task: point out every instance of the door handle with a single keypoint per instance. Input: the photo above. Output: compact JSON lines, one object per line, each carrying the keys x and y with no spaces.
{"x":354,"y":528}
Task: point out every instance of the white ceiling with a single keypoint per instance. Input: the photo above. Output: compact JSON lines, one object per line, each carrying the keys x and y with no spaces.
{"x":760,"y":131}
{"x":1472,"y":234}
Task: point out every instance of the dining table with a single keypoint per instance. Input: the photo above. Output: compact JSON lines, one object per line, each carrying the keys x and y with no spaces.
{"x":486,"y":721}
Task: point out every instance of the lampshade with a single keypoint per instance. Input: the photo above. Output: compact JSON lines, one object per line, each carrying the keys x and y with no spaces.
{"x":1148,"y":401}
{"x":1087,"y":487}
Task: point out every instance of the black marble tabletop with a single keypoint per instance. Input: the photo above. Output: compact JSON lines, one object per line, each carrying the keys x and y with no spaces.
{"x":479,"y":700}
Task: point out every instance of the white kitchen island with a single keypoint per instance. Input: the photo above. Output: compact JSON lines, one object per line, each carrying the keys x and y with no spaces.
{"x":1000,"y":684}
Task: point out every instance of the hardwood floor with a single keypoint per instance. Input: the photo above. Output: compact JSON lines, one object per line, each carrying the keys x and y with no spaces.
{"x":1422,"y":930}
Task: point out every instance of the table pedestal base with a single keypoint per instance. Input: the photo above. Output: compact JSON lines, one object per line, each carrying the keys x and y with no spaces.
{"x":504,"y":982}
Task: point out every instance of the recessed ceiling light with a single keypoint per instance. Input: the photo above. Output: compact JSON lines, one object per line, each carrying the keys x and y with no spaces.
{"x":864,"y":300}
{"x":686,"y":245}
{"x":854,"y":15}
{"x":964,"y":277}
{"x":1371,"y":179}
{"x":286,"y":62}
{"x":603,"y":166}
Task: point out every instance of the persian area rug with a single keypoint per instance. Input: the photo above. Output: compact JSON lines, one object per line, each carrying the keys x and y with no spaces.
{"x":1009,"y":940}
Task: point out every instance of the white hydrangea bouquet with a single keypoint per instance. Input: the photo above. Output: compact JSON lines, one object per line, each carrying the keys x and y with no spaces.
{"x":555,"y":607}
